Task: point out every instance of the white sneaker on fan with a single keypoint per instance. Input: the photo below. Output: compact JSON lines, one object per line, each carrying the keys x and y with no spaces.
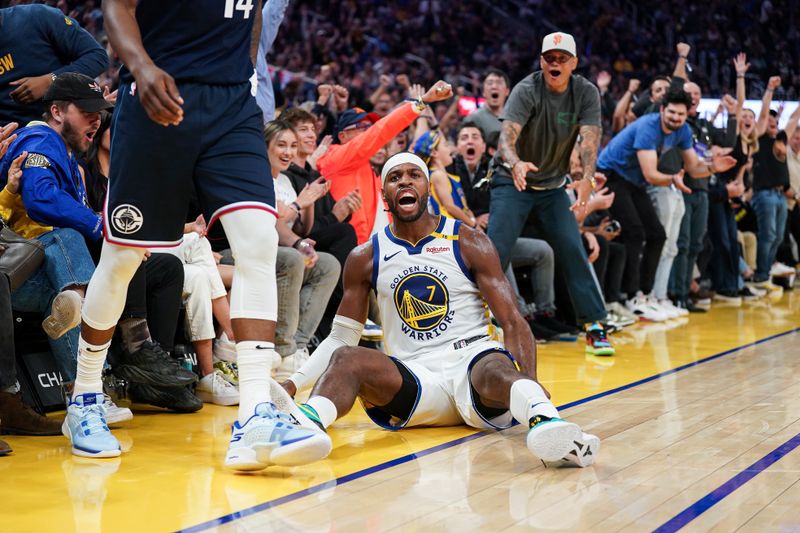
{"x":669,"y":306}
{"x":224,"y":349}
{"x":642,"y":308}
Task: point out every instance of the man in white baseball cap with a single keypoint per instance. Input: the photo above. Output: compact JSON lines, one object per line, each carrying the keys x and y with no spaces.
{"x":542,"y":119}
{"x":560,"y":42}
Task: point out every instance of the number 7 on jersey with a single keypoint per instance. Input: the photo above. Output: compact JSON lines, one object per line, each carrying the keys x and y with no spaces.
{"x":245,"y":6}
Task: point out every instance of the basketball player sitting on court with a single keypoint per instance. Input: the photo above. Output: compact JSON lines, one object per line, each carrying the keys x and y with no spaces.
{"x":434,"y":277}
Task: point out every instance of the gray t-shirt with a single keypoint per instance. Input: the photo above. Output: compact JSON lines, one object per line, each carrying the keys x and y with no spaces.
{"x":550,"y":125}
{"x":487,"y":122}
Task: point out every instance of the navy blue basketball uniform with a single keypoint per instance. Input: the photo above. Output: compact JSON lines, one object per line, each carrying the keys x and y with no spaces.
{"x":218,"y":149}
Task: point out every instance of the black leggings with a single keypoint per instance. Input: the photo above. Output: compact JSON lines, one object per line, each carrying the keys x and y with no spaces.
{"x":642,"y":233}
{"x":155,"y":293}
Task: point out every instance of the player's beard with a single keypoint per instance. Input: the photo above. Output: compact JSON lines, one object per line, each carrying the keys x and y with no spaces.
{"x":74,"y":140}
{"x":413,"y":217}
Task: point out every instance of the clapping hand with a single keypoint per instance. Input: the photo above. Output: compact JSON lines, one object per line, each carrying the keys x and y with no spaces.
{"x":15,"y":173}
{"x":6,"y":137}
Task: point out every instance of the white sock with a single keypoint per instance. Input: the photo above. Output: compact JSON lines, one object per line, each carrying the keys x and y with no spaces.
{"x":324,"y":408}
{"x":89,"y":377}
{"x":255,"y":364}
{"x":528,"y":400}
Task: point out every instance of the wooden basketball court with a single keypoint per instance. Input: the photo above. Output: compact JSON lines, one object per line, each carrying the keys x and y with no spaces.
{"x":700,"y":423}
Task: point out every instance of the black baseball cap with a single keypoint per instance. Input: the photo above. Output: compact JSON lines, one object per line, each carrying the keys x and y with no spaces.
{"x":79,"y":89}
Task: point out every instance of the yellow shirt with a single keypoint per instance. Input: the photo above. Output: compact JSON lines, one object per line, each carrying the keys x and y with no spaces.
{"x":12,"y":210}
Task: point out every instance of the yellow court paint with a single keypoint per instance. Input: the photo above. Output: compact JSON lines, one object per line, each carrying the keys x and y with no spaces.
{"x":170,"y":476}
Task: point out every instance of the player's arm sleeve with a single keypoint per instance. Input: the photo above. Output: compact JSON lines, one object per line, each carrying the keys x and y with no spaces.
{"x":47,"y":203}
{"x":344,"y":332}
{"x":77,"y":50}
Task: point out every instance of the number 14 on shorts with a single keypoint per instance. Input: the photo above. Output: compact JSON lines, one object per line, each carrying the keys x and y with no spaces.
{"x":245,"y":6}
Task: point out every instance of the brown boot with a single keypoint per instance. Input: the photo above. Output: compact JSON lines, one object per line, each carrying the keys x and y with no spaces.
{"x":16,"y":418}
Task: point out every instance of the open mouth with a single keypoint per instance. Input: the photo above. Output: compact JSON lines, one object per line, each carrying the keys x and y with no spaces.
{"x":555,"y":73}
{"x":90,"y":135}
{"x":470,"y":152}
{"x":495,"y":96}
{"x":406,"y":199}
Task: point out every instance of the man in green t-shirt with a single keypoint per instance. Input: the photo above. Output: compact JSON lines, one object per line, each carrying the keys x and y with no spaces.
{"x":542,"y":119}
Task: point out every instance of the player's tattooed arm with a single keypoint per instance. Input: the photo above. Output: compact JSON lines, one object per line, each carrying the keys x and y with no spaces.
{"x":481,"y":258}
{"x":255,"y":37}
{"x":590,"y":143}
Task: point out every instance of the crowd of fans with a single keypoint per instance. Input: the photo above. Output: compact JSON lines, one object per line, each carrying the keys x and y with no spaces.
{"x":715,"y":227}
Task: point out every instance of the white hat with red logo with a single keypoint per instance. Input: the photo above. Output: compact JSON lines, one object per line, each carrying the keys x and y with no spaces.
{"x":559,"y":41}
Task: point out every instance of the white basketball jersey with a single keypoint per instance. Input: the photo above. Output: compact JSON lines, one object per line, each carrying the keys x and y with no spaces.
{"x":428,"y":299}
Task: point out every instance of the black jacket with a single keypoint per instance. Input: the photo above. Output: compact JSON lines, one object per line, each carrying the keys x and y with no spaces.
{"x":323,"y":208}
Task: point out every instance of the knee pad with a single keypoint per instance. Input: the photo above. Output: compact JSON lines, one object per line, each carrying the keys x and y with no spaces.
{"x":108,"y":290}
{"x":254,"y":243}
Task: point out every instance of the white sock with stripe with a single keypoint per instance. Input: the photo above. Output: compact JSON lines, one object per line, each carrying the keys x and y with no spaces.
{"x":325,"y":409}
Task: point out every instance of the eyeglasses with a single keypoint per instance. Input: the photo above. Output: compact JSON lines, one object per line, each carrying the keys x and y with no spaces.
{"x":358,"y":127}
{"x":552,"y":58}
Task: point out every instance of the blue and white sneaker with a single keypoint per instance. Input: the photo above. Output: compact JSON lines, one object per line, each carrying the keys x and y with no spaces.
{"x":85,"y":426}
{"x":271,"y":437}
{"x":551,"y":439}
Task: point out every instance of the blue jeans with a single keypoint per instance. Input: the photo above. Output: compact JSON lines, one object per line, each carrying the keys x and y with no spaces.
{"x":690,"y":243}
{"x":67,"y":263}
{"x":509,"y":211}
{"x":771,"y":212}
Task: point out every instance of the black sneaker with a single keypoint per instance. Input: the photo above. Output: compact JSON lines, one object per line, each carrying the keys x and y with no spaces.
{"x":689,"y":306}
{"x":151,"y":365}
{"x":548,"y":320}
{"x":541,"y":332}
{"x":746,"y":294}
{"x":178,"y":399}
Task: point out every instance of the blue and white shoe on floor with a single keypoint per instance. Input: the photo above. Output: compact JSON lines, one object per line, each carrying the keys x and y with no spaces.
{"x":551,"y":439}
{"x":271,"y":437}
{"x":85,"y":426}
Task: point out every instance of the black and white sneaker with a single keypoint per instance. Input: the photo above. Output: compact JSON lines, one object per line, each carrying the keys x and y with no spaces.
{"x":584,"y":451}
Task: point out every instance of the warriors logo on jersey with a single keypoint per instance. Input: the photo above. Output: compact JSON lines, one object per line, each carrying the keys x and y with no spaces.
{"x":422,"y":300}
{"x":427,"y":296}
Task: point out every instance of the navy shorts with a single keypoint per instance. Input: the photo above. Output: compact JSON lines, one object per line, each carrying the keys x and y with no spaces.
{"x":217,"y":152}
